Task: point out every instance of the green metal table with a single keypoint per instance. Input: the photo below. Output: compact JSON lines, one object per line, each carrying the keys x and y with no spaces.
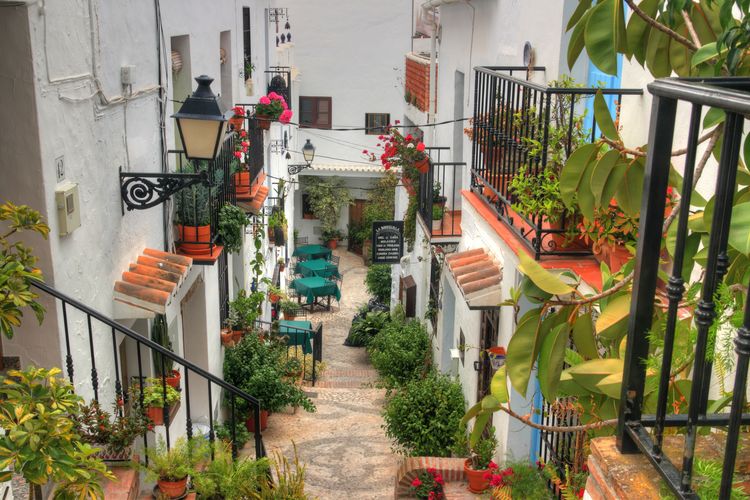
{"x":317,"y":267}
{"x":314,"y":287}
{"x":299,"y":333}
{"x":306,"y":252}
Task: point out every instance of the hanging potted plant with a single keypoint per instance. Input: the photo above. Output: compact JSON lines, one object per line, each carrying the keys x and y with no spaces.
{"x":171,"y":467}
{"x":403,"y":150}
{"x":272,"y":107}
{"x":249,"y":68}
{"x":227,"y":337}
{"x":113,"y":435}
{"x":154,"y":401}
{"x":192,"y":216}
{"x":237,"y":121}
{"x":232,"y":223}
{"x":479,"y":463}
{"x":275,"y":294}
{"x":163,"y":365}
{"x":241,"y":175}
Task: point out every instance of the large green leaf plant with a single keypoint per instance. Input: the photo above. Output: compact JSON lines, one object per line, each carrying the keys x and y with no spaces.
{"x":576,"y":337}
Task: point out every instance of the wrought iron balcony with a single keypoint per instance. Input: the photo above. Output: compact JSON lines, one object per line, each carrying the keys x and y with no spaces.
{"x":280,"y":81}
{"x":522,"y":129}
{"x":440,"y":195}
{"x":731,"y":95}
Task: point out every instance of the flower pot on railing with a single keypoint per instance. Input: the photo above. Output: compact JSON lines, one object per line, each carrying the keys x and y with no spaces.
{"x":250,"y":422}
{"x":241,"y":183}
{"x":237,"y":122}
{"x":199,"y":238}
{"x":155,"y":414}
{"x":173,"y":379}
{"x":263,"y":121}
{"x":237,"y":335}
{"x":496,"y":355}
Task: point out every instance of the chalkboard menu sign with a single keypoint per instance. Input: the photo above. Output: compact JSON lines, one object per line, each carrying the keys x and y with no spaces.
{"x":387,"y":241}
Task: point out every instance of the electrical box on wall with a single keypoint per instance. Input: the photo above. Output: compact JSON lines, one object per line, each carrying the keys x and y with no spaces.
{"x":68,"y":209}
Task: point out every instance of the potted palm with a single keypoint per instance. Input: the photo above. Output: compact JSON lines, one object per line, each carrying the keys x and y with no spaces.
{"x":171,"y":467}
{"x":154,"y":401}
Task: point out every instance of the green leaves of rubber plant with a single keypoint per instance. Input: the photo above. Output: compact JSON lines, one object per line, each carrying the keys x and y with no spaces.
{"x":542,"y":278}
{"x":551,"y":357}
{"x":604,"y":118}
{"x":577,"y":38}
{"x":572,"y":172}
{"x":638,"y":30}
{"x":522,"y":350}
{"x":601,"y":173}
{"x":583,"y":337}
{"x":630,"y":192}
{"x":739,"y":229}
{"x":617,"y":310}
{"x":605,"y":34}
{"x":590,"y":373}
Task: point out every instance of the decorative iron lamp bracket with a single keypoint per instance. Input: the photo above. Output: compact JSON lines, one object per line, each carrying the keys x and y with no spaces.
{"x":142,"y":190}
{"x":297,"y":168}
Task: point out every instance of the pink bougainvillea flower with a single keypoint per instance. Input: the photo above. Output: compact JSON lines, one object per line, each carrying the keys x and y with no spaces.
{"x":284,"y":105}
{"x":439,"y":479}
{"x":285,"y":116}
{"x":238,"y":111}
{"x":397,"y":122}
{"x":420,"y":146}
{"x":364,"y":151}
{"x":387,"y":166}
{"x":245,"y":144}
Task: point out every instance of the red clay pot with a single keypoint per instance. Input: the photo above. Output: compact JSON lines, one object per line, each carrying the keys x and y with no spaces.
{"x":237,"y":335}
{"x":289,"y":316}
{"x":174,"y":379}
{"x":333,"y":244}
{"x":156,"y":415}
{"x":172,"y":489}
{"x":238,"y":122}
{"x":241,"y":183}
{"x":422,"y":165}
{"x":264,"y":121}
{"x":199,"y":234}
{"x":250,"y":422}
{"x":227,"y":339}
{"x":274,"y":298}
{"x":477,"y":482}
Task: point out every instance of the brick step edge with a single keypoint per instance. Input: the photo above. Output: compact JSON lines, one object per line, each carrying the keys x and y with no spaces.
{"x":126,"y":486}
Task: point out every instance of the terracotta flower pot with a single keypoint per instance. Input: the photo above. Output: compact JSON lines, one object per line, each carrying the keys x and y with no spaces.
{"x":174,"y":379}
{"x":274,"y":298}
{"x":156,"y":415}
{"x":238,"y":122}
{"x":333,"y":244}
{"x":227,"y":339}
{"x":281,"y":268}
{"x":172,"y":489}
{"x":241,"y":183}
{"x":289,"y":316}
{"x":477,"y":482}
{"x":250,"y":422}
{"x":264,"y":121}
{"x":199,"y":238}
{"x":422,"y":165}
{"x":237,"y":335}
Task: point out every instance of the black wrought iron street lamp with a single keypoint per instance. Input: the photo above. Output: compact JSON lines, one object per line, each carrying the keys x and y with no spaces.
{"x":308,"y":153}
{"x":202,"y":127}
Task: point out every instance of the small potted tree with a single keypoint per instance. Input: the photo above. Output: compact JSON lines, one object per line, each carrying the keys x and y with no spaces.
{"x":113,"y":434}
{"x":331,"y":237}
{"x":171,"y":467}
{"x":480,"y":462}
{"x":154,"y":401}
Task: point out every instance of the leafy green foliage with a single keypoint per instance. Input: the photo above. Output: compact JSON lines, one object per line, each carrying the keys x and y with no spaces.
{"x":328,"y":196}
{"x":245,"y":309}
{"x":289,"y":480}
{"x":365,"y":329}
{"x":410,"y":221}
{"x":400,"y":352}
{"x":17,"y":266}
{"x":423,"y":416}
{"x":177,"y":462}
{"x":153,"y":393}
{"x":241,"y":434}
{"x":113,"y":432}
{"x":378,"y":281}
{"x":163,"y":365}
{"x":37,"y":410}
{"x":232,"y":223}
{"x":225,"y":478}
{"x":381,"y":205}
{"x":259,"y":368}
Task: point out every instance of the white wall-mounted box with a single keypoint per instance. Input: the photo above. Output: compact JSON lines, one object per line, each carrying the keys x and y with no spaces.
{"x":68,"y":208}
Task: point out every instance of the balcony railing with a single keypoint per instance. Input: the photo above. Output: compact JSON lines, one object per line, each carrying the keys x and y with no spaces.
{"x":103,"y":334}
{"x":297,"y":339}
{"x":439,"y":196}
{"x":280,"y":81}
{"x":516,"y":124}
{"x":731,"y":95}
{"x":254,"y":159}
{"x":197,"y":207}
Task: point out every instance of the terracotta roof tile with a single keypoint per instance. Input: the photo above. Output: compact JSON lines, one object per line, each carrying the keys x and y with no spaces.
{"x":478,"y":277}
{"x":152,"y":282}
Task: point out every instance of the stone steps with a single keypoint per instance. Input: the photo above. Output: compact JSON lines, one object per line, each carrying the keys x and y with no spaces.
{"x":347,"y":379}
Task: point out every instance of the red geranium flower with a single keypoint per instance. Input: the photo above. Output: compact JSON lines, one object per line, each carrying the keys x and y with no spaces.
{"x":416,"y":483}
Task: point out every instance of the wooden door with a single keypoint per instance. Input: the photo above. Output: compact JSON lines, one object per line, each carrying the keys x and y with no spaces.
{"x":356,"y":214}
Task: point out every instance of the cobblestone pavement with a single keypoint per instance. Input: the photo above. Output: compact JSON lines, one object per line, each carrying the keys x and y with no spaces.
{"x":342,"y":444}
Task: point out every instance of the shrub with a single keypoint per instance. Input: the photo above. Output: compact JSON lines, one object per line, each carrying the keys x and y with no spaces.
{"x":423,"y":417}
{"x":400,"y":352}
{"x":242,"y":435}
{"x":364,"y":329}
{"x":378,"y":281}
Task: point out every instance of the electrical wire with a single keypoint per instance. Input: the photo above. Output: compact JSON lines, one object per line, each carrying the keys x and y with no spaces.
{"x":342,"y":128}
{"x":289,"y":181}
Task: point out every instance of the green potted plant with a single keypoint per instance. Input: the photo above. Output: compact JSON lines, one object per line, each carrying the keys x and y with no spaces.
{"x":289,"y":308}
{"x":428,"y":485}
{"x":224,"y":477}
{"x":112,"y":433}
{"x":241,"y":434}
{"x":328,"y":196}
{"x":522,"y":480}
{"x":275,"y":294}
{"x":249,"y":68}
{"x":232,"y":223}
{"x":270,"y":108}
{"x":258,"y":368}
{"x":277,"y":227}
{"x":437,"y":217}
{"x":437,"y":198}
{"x":163,"y":367}
{"x":154,"y":401}
{"x":480,"y":461}
{"x":243,"y":311}
{"x":171,"y":467}
{"x":282,"y":264}
{"x":34,"y":403}
{"x":192,"y":215}
{"x":331,"y":237}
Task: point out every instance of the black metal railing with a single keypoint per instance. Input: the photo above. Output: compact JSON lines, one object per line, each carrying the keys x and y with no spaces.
{"x":76,"y":313}
{"x":732,"y":95}
{"x":252,"y":133}
{"x":198,"y":206}
{"x":280,"y":81}
{"x":440,"y":195}
{"x":301,"y":337}
{"x":510,"y":135}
